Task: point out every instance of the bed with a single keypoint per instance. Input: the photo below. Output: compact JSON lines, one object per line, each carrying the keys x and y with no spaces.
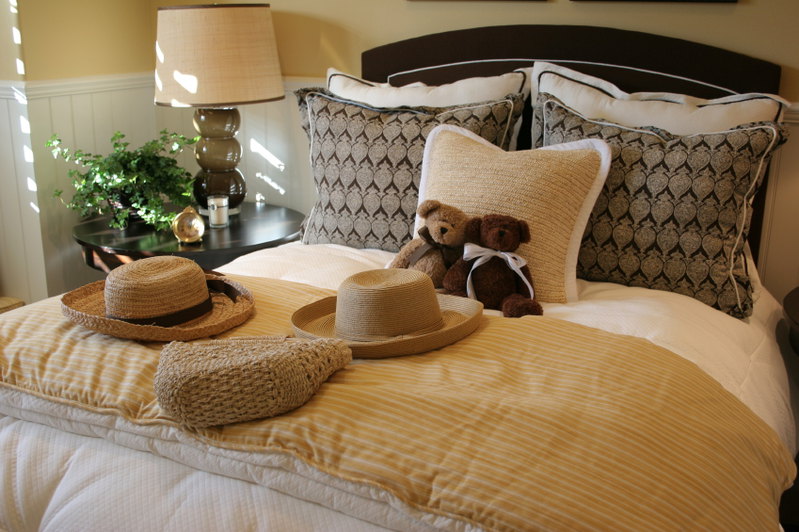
{"x":639,"y":400}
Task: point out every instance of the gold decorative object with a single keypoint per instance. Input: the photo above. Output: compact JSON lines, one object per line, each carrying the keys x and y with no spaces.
{"x":188,"y":226}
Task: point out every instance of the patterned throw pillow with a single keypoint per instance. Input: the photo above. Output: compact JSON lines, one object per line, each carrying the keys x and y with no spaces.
{"x":674,"y":212}
{"x":366,"y":163}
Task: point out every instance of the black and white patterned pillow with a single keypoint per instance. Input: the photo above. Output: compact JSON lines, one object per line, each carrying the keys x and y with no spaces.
{"x":366,"y":163}
{"x":675,"y":210}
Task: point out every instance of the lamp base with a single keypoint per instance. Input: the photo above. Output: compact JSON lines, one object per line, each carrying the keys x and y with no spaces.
{"x":230,"y":184}
{"x":218,"y":154}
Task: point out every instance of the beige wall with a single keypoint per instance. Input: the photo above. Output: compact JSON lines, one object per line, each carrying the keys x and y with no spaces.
{"x":77,"y":38}
{"x":9,"y":51}
{"x":94,"y":37}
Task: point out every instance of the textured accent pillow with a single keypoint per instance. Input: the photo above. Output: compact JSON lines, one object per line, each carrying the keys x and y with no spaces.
{"x":674,"y":212}
{"x":366,"y":163}
{"x":469,"y":90}
{"x":553,"y":189}
{"x":678,"y":114}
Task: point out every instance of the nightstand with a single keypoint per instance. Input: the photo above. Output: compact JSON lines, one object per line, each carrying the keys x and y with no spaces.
{"x":257,"y":226}
{"x":790,"y":307}
{"x":9,"y":303}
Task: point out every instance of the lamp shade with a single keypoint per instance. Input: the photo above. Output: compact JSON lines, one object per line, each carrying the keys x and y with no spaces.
{"x":219,"y":55}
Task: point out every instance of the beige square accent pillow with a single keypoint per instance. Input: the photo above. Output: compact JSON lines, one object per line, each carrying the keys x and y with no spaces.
{"x":553,"y":189}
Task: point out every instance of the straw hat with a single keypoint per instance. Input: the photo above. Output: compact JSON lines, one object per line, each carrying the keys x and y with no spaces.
{"x":389,"y":312}
{"x":159,"y":299}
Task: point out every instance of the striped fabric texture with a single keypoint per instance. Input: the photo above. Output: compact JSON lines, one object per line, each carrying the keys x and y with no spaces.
{"x":527,"y":424}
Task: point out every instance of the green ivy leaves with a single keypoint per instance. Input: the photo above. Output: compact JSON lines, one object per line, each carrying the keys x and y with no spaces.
{"x":145,"y":182}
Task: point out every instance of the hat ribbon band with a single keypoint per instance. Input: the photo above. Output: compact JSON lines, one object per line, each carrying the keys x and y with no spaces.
{"x":186,"y":314}
{"x":381,"y":337}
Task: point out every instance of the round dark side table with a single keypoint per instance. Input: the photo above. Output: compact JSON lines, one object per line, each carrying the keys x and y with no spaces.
{"x":790,"y":306}
{"x":257,"y":226}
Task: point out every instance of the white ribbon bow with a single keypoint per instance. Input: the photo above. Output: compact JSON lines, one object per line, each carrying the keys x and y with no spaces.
{"x":483,"y":255}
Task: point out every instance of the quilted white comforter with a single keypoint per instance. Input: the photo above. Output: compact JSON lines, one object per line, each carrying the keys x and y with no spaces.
{"x":55,"y":480}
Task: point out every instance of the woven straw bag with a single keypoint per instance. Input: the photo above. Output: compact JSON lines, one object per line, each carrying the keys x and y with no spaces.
{"x":242,"y":379}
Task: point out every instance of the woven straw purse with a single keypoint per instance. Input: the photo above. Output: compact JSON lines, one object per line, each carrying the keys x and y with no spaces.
{"x":242,"y":379}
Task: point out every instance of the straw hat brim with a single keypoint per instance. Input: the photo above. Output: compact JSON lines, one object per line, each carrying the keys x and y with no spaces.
{"x":86,"y":306}
{"x":461,"y":317}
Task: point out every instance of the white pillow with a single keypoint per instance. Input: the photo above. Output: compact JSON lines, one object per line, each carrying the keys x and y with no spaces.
{"x":470,"y":90}
{"x":679,"y":114}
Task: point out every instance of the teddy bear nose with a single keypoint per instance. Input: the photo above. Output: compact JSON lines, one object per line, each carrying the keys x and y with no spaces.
{"x":444,"y":230}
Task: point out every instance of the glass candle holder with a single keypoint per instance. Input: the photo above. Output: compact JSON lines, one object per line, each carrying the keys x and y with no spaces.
{"x":218,"y":211}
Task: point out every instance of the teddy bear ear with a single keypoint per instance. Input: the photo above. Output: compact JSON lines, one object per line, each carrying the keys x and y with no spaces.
{"x":427,"y":206}
{"x":472,"y":231}
{"x":524,"y":232}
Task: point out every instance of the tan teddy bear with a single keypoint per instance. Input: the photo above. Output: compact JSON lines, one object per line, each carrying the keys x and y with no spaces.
{"x":439,"y":244}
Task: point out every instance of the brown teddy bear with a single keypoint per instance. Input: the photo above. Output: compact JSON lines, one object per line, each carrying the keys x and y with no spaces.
{"x":439,"y":244}
{"x":486,"y":271}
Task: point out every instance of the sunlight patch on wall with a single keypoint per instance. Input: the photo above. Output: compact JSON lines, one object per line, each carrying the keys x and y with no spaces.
{"x":20,"y":96}
{"x":266,"y":179}
{"x":271,"y":158}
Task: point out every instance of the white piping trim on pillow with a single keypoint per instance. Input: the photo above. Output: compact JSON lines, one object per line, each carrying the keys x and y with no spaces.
{"x":457,"y":63}
{"x":571,"y":61}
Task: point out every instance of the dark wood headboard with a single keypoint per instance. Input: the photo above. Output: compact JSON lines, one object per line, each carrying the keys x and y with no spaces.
{"x":594,"y":50}
{"x":632,"y":60}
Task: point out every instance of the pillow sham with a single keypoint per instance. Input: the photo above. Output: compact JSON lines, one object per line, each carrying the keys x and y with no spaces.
{"x":470,"y":90}
{"x":553,"y":189}
{"x":678,"y":114}
{"x":366,"y":163}
{"x":675,"y":210}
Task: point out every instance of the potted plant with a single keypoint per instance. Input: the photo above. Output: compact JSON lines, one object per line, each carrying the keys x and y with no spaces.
{"x":144,"y":182}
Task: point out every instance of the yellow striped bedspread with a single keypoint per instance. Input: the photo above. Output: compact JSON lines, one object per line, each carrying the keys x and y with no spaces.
{"x":527,"y":424}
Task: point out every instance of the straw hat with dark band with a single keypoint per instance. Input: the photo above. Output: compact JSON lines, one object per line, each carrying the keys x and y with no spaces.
{"x":159,"y":299}
{"x":389,"y":312}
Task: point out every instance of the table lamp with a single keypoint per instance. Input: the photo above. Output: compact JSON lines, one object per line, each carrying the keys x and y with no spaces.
{"x":215,"y":57}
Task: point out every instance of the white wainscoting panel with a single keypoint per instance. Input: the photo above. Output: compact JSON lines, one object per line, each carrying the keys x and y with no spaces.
{"x":779,"y":250}
{"x":86,"y":112}
{"x":21,"y":257}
